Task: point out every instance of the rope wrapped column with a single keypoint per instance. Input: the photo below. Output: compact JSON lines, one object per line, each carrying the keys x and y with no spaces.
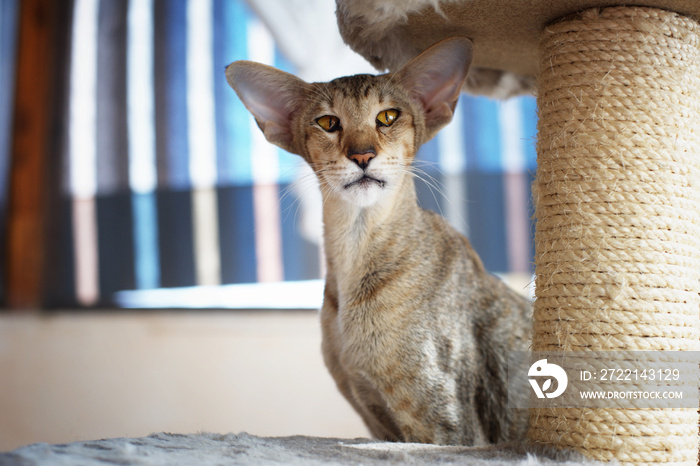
{"x":617,"y":202}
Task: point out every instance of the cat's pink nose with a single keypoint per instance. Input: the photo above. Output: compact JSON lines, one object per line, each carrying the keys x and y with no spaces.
{"x":362,"y":160}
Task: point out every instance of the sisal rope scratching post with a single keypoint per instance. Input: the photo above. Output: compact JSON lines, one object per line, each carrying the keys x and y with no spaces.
{"x":617,"y":201}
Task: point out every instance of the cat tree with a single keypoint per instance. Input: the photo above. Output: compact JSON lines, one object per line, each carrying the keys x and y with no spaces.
{"x":617,"y":194}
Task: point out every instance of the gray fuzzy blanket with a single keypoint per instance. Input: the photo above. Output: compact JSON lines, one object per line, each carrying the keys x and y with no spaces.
{"x":244,"y":449}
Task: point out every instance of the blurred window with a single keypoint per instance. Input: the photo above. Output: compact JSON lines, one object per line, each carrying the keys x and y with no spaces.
{"x":172,"y":198}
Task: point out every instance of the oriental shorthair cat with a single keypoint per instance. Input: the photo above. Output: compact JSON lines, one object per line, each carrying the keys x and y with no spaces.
{"x":416,"y":333}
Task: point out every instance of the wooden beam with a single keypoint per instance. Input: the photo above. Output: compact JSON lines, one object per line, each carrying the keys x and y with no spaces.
{"x":43,"y":31}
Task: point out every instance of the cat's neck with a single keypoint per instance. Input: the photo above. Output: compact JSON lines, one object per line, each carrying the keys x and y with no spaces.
{"x":352,"y":234}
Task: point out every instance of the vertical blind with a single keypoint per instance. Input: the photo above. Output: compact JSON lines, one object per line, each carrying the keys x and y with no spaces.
{"x":169,"y":183}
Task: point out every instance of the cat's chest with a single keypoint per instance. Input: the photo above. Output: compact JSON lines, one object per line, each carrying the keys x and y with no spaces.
{"x":365,"y":321}
{"x":372,"y":332}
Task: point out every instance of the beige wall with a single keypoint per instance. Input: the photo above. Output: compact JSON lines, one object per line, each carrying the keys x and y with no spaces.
{"x":80,"y":376}
{"x":76,"y":376}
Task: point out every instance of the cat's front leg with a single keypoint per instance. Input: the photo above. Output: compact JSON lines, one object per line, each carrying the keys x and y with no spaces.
{"x":370,"y":408}
{"x":427,"y":406}
{"x":359,"y":393}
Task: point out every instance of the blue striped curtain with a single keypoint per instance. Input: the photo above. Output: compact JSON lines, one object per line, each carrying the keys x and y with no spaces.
{"x":161,"y":188}
{"x":167,"y":182}
{"x":485,"y":161}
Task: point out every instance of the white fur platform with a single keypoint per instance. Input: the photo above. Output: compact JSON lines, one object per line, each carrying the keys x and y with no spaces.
{"x":245,"y":449}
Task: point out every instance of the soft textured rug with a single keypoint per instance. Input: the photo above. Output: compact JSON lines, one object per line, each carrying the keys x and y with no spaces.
{"x":245,"y":449}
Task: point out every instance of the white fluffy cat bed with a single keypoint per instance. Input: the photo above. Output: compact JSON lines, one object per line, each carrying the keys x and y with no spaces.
{"x":243,"y":449}
{"x":617,"y":196}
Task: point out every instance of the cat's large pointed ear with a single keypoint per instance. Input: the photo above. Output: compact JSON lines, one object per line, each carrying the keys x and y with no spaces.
{"x":435,"y":78}
{"x":272,"y":96}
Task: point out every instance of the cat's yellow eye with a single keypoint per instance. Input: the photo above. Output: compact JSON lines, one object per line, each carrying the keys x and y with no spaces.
{"x":387,"y":117}
{"x":329,"y":122}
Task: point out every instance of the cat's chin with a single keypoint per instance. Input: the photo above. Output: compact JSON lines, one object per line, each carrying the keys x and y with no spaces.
{"x":365,"y":181}
{"x":364,"y":192}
